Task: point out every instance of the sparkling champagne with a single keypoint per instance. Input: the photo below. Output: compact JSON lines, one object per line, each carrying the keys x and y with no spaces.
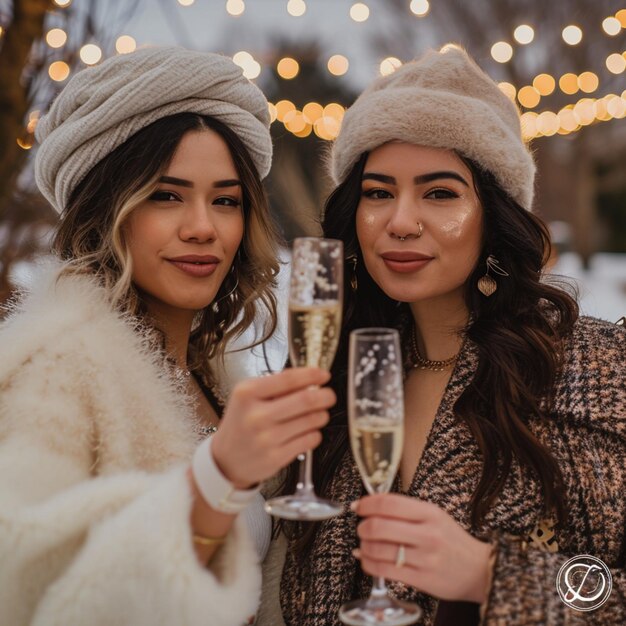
{"x":314,"y":334}
{"x":377,"y":448}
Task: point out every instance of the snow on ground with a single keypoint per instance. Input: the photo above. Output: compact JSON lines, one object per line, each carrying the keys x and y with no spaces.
{"x":602,"y":289}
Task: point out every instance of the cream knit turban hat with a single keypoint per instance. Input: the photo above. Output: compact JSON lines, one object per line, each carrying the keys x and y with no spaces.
{"x":102,"y":106}
{"x":443,"y":100}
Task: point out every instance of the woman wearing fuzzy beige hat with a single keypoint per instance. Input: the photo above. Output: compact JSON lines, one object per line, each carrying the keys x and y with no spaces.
{"x":514,"y":451}
{"x":115,"y":506}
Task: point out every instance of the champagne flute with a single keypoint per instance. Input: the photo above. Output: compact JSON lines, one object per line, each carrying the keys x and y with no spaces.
{"x":376,"y":423}
{"x":315,"y":307}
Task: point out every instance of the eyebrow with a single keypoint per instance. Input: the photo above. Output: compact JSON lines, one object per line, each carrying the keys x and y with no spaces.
{"x":181,"y":182}
{"x":417,"y":180}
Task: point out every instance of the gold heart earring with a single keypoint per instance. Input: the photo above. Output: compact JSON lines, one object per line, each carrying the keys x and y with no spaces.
{"x":486,"y":284}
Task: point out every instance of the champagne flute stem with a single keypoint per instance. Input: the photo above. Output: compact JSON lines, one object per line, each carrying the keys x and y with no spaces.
{"x":305,"y":482}
{"x":380,"y":587}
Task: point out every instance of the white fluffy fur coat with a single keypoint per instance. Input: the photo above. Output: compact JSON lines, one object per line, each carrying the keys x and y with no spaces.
{"x":94,"y":502}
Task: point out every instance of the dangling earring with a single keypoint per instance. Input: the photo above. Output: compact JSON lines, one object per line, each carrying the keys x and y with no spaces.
{"x":353,"y":280}
{"x":486,"y":284}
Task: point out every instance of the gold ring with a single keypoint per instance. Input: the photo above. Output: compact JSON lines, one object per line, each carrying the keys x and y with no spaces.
{"x":401,"y":556}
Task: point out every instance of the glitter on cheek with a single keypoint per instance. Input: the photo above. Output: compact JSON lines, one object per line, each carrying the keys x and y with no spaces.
{"x":369,"y":220}
{"x":463,"y":222}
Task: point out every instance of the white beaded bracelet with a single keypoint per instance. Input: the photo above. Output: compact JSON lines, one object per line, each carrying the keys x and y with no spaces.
{"x":218,"y":492}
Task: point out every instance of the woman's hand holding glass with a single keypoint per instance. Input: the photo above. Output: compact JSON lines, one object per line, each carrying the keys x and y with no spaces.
{"x":441,"y":558}
{"x":376,"y":422}
{"x":315,"y":308}
{"x":269,"y":421}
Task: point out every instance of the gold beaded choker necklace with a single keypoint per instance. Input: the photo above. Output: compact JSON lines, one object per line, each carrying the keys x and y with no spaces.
{"x":426,"y":364}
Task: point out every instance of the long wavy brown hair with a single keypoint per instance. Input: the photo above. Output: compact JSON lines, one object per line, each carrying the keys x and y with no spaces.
{"x":91,"y":237}
{"x":518,"y":333}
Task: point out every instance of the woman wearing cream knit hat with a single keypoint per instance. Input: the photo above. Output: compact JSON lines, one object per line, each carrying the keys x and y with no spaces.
{"x":115,"y":506}
{"x":514,"y":453}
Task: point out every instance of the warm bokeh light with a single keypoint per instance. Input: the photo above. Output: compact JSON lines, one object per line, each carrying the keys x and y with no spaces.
{"x":548,"y":123}
{"x":359,"y":12}
{"x":601,"y":113}
{"x":1,"y":31}
{"x":33,"y":119}
{"x":59,"y":71}
{"x":568,"y":83}
{"x":572,"y":35}
{"x":90,"y":54}
{"x":334,"y":110}
{"x":528,"y":97}
{"x":235,"y":7}
{"x":186,"y":3}
{"x":305,"y":132}
{"x":588,"y":82}
{"x":621,"y":17}
{"x":616,"y":107}
{"x":56,"y":37}
{"x":568,"y":120}
{"x":524,"y":34}
{"x":288,"y":68}
{"x":282,"y":108}
{"x":585,"y":110}
{"x":273,"y":113}
{"x":312,"y":111}
{"x":296,"y":8}
{"x":327,"y":128}
{"x":242,"y":57}
{"x":616,"y":63}
{"x":26,"y":143}
{"x":528,"y":122}
{"x":502,"y":52}
{"x":611,"y":26}
{"x":544,"y":84}
{"x":251,"y":69}
{"x":63,"y":3}
{"x":125,"y":44}
{"x":389,"y":65}
{"x":420,"y":7}
{"x":338,"y":65}
{"x":295,"y":122}
{"x":508,"y":89}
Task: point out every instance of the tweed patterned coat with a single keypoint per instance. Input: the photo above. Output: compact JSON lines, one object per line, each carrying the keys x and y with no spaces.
{"x":586,"y":434}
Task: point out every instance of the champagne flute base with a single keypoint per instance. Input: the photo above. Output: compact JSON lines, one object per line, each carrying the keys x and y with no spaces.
{"x":302,"y":507}
{"x":385,"y":611}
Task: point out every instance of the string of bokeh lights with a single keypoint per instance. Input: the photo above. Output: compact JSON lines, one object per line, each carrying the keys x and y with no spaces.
{"x":325,"y":121}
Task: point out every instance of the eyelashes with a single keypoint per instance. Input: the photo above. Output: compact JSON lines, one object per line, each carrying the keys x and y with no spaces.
{"x":170,"y":196}
{"x":439,"y":193}
{"x":164,"y":196}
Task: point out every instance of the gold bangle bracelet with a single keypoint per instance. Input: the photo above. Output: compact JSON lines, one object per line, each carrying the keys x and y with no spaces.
{"x":203,"y":540}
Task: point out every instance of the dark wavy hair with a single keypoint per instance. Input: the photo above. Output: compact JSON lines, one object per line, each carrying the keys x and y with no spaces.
{"x":91,"y":237}
{"x":518,"y":333}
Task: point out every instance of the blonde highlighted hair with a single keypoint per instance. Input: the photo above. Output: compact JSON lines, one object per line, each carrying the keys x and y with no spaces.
{"x":91,"y":236}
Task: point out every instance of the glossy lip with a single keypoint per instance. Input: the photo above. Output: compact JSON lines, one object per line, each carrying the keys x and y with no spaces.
{"x":405,"y":261}
{"x":197,"y":265}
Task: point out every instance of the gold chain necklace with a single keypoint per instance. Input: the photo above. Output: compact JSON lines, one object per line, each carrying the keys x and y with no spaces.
{"x":426,"y":364}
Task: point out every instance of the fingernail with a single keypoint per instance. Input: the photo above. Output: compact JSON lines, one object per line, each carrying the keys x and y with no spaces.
{"x":356,"y":553}
{"x":354,"y":506}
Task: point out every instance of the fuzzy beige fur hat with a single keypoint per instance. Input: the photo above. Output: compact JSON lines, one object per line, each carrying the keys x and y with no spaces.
{"x":102,"y":106}
{"x":443,"y":100}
